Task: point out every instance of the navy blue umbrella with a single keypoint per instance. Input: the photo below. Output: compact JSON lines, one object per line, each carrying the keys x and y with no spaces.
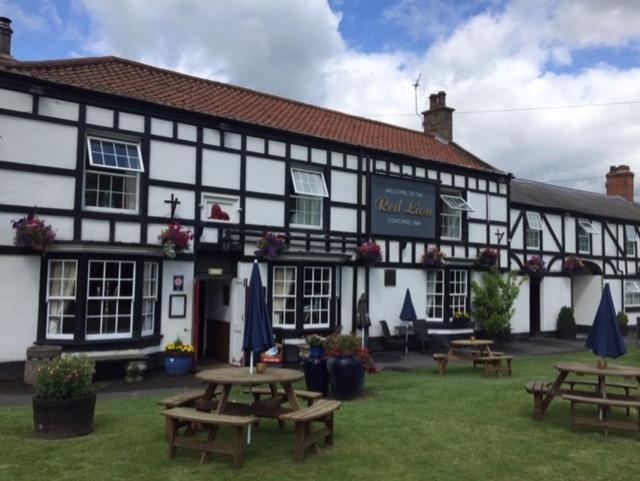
{"x":258,"y":335}
{"x":407,"y":314}
{"x":605,"y":338}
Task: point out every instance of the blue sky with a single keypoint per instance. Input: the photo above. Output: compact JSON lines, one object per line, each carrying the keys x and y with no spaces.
{"x":362,"y":56}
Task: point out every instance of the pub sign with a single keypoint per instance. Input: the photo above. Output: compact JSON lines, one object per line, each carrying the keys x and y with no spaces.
{"x":401,"y":207}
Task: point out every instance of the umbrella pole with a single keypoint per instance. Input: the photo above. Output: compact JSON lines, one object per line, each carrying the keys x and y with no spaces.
{"x":250,"y":395}
{"x":406,"y":339}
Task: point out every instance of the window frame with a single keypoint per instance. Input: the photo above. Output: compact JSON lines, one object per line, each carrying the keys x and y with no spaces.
{"x":293,"y":204}
{"x":61,"y":298}
{"x":116,"y":299}
{"x":153,"y":298}
{"x":113,"y":141}
{"x":452,"y":281}
{"x":329,"y":297}
{"x":533,"y":230}
{"x":435,"y":294}
{"x":297,"y":189}
{"x":116,"y":210}
{"x":631,"y":240}
{"x":293,"y":296}
{"x":634,"y":292}
{"x":586,"y":236}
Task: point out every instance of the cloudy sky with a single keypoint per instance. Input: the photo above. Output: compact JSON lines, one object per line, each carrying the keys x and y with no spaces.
{"x":545,"y":89}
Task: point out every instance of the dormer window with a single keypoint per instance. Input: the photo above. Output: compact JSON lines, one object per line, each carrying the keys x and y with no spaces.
{"x":112,"y":174}
{"x":310,"y":191}
{"x":451,"y":216}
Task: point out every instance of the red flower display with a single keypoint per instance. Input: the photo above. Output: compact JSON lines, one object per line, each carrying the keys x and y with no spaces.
{"x":369,"y":251}
{"x":174,"y":239}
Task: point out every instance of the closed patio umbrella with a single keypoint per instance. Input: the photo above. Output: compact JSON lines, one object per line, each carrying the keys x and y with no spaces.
{"x":258,"y":335}
{"x":605,"y":338}
{"x":407,"y":314}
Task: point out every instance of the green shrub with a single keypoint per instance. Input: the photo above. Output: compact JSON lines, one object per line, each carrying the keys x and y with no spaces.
{"x":623,"y":319}
{"x":566,"y":324}
{"x":65,"y":378}
{"x":493,"y":301}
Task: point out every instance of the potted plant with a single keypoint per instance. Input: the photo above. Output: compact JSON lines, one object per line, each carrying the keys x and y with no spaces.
{"x":535,"y":266}
{"x":346,"y":365}
{"x":572,"y":264}
{"x":315,"y":366}
{"x":488,"y":257}
{"x":433,"y":258}
{"x":566,"y":324}
{"x":493,"y":302}
{"x":174,"y":239}
{"x":369,"y":252}
{"x":270,"y":245}
{"x":623,"y":321}
{"x":31,"y":231}
{"x":178,"y":358}
{"x":64,"y":401}
{"x":460,"y":319}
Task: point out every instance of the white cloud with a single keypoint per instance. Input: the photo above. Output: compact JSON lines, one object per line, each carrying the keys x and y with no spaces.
{"x":501,"y":58}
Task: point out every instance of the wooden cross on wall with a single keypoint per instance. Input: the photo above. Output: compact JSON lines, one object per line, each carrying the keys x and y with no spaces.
{"x":499,"y":235}
{"x":174,"y":203}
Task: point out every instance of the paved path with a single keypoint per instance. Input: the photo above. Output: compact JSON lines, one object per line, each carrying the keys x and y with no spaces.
{"x":158,"y":383}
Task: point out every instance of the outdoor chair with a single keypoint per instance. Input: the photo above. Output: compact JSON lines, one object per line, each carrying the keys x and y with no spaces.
{"x":421,"y":333}
{"x":394,"y":343}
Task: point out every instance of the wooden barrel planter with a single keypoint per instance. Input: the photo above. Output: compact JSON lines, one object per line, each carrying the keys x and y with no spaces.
{"x":63,"y":418}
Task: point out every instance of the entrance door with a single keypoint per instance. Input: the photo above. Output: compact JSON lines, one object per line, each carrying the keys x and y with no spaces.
{"x":214,"y":328}
{"x":534,"y":306}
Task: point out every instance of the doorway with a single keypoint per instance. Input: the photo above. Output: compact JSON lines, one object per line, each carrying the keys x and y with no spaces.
{"x":215,"y":315}
{"x":534,"y":306}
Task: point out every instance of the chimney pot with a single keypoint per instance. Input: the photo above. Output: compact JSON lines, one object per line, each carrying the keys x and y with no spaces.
{"x":5,"y":37}
{"x":433,"y":101}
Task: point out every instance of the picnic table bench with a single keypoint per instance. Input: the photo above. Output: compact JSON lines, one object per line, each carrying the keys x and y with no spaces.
{"x":178,"y":417}
{"x":494,"y":362}
{"x":602,"y":417}
{"x":309,"y":396}
{"x":320,"y":411}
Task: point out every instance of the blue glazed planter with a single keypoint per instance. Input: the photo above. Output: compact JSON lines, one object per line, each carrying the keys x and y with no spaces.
{"x":315,"y":371}
{"x":177,"y":365}
{"x":346,"y":376}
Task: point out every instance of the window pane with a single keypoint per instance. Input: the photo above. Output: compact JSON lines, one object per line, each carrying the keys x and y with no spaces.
{"x":309,"y":183}
{"x":534,"y":220}
{"x":115,"y":154}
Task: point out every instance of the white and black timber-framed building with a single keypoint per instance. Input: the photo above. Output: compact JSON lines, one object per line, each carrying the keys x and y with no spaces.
{"x":104,"y":285}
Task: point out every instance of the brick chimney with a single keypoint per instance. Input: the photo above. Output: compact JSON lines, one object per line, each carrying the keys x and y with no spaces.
{"x":620,"y":182}
{"x":5,"y":38}
{"x":438,"y":120}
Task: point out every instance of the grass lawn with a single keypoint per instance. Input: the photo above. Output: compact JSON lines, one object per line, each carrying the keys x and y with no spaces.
{"x":413,"y":426}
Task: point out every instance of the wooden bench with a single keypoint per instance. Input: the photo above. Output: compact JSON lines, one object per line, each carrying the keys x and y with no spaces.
{"x":538,"y":389}
{"x":627,"y":387}
{"x":176,"y":417}
{"x":442,"y":360}
{"x":477,"y":354}
{"x":182,"y":399}
{"x":321,"y":411}
{"x":136,"y":362}
{"x":601,"y":419}
{"x":495,"y":365}
{"x":309,"y":396}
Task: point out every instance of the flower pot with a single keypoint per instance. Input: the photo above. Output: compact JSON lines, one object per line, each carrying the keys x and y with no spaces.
{"x":346,"y":376}
{"x":176,"y":365}
{"x":63,"y":418}
{"x":315,"y":371}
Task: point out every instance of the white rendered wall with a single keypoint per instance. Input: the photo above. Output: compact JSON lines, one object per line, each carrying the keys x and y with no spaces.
{"x":30,"y":189}
{"x":344,"y":187}
{"x":174,"y":162}
{"x":19,"y":292}
{"x":479,"y":203}
{"x":555,"y":293}
{"x":157,"y":207}
{"x":57,"y":108}
{"x":344,"y":219}
{"x":19,"y":101}
{"x":181,"y":327}
{"x":386,"y":302}
{"x":264,"y":175}
{"x":556,"y":225}
{"x":264,"y":212}
{"x":37,"y":143}
{"x":220,"y":169}
{"x":520,"y":322}
{"x":586,"y":298}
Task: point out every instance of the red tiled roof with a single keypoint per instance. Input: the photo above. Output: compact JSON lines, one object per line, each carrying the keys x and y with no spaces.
{"x":131,"y":79}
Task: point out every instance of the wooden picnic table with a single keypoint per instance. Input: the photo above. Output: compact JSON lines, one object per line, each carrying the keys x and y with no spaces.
{"x":582,"y":369}
{"x":459,"y":351}
{"x":228,"y":377}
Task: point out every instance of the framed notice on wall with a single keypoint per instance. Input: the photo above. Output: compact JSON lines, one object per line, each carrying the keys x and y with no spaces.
{"x":178,"y":283}
{"x":177,"y":306}
{"x":402,"y":207}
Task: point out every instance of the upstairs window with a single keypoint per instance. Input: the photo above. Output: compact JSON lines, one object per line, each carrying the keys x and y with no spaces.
{"x":632,"y":293}
{"x":585,"y":231}
{"x":533,"y":230}
{"x":310,"y":190}
{"x":451,"y":216}
{"x":112,"y":174}
{"x":632,"y":239}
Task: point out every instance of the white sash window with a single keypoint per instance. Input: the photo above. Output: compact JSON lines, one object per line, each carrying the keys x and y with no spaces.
{"x":61,"y":299}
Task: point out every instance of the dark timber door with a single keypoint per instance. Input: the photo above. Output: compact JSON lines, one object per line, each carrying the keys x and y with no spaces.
{"x":534,"y":306}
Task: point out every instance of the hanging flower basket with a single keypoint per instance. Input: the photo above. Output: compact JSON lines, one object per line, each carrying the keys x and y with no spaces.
{"x":433,"y":258}
{"x":271,"y":245}
{"x":369,"y":252}
{"x":535,"y":266}
{"x":31,"y":231}
{"x":488,"y":257}
{"x":174,"y":239}
{"x":572,"y":264}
